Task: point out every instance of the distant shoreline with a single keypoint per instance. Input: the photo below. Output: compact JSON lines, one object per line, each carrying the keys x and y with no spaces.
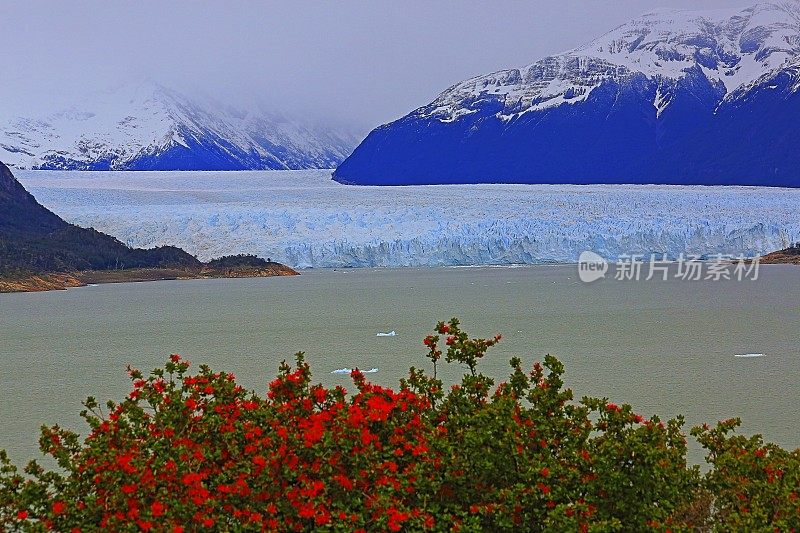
{"x":51,"y":281}
{"x":787,"y":256}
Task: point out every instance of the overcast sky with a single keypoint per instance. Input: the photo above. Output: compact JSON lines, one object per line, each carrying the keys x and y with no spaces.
{"x":371,"y":61}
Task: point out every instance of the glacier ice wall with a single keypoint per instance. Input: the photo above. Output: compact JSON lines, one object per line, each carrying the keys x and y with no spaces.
{"x":304,"y":219}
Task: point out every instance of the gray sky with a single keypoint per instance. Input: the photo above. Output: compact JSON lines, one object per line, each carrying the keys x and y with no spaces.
{"x":370,"y":61}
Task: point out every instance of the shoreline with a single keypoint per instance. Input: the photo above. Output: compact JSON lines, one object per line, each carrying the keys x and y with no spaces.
{"x":788,"y":256}
{"x":52,"y":281}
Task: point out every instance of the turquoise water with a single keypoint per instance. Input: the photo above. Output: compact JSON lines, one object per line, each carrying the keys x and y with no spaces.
{"x":667,"y":347}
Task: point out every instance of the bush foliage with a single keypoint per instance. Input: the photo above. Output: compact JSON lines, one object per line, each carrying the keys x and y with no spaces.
{"x":186,"y":452}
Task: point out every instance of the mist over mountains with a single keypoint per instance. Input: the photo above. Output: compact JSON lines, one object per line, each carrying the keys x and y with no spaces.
{"x":147,"y":126}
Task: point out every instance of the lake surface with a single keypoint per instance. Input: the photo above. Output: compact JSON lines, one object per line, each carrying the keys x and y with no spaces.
{"x":667,"y":347}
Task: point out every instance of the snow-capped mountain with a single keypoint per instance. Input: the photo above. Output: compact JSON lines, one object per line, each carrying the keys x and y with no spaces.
{"x":150,"y":127}
{"x":670,"y":97}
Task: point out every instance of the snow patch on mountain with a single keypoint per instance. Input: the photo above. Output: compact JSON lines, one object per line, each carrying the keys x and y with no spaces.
{"x":732,"y":48}
{"x":304,"y":219}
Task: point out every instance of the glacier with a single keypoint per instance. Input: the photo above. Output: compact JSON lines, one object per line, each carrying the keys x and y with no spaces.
{"x":306,"y":220}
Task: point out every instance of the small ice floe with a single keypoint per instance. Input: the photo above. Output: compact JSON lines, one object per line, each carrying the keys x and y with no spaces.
{"x":392,"y":333}
{"x":349,"y":371}
{"x":748,"y":355}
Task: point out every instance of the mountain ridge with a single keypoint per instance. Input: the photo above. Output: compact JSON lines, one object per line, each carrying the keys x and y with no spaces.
{"x":626,"y":107}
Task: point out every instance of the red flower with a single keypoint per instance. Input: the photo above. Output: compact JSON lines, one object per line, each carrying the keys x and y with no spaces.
{"x":320,"y":395}
{"x":22,"y":515}
{"x":191,"y":478}
{"x":322,"y":518}
{"x":380,"y":408}
{"x":344,"y":481}
{"x":129,"y":488}
{"x":544,"y":472}
{"x":59,"y":507}
{"x":396,"y":518}
{"x":191,"y":404}
{"x":157,"y":509}
{"x":307,"y":510}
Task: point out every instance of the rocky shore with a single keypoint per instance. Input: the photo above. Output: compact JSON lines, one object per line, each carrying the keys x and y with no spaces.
{"x":789,"y":255}
{"x":27,"y":282}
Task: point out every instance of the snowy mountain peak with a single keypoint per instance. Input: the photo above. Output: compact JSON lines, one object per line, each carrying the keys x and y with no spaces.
{"x":149,"y":126}
{"x":675,"y":97}
{"x":735,"y":47}
{"x":731,"y":48}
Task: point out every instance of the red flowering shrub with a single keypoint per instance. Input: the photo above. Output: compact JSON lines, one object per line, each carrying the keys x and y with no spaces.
{"x":755,"y":484}
{"x":192,"y":452}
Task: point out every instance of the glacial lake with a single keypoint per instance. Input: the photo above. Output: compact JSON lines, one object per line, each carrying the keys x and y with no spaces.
{"x":667,"y":347}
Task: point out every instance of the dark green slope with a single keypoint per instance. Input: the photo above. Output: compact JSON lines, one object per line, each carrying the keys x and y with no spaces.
{"x":32,"y":238}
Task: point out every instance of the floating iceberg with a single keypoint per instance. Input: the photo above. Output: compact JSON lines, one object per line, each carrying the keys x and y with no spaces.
{"x":349,"y":371}
{"x":392,"y":333}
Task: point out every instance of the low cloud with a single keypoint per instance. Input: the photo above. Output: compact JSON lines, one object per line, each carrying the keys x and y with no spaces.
{"x":362,"y":63}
